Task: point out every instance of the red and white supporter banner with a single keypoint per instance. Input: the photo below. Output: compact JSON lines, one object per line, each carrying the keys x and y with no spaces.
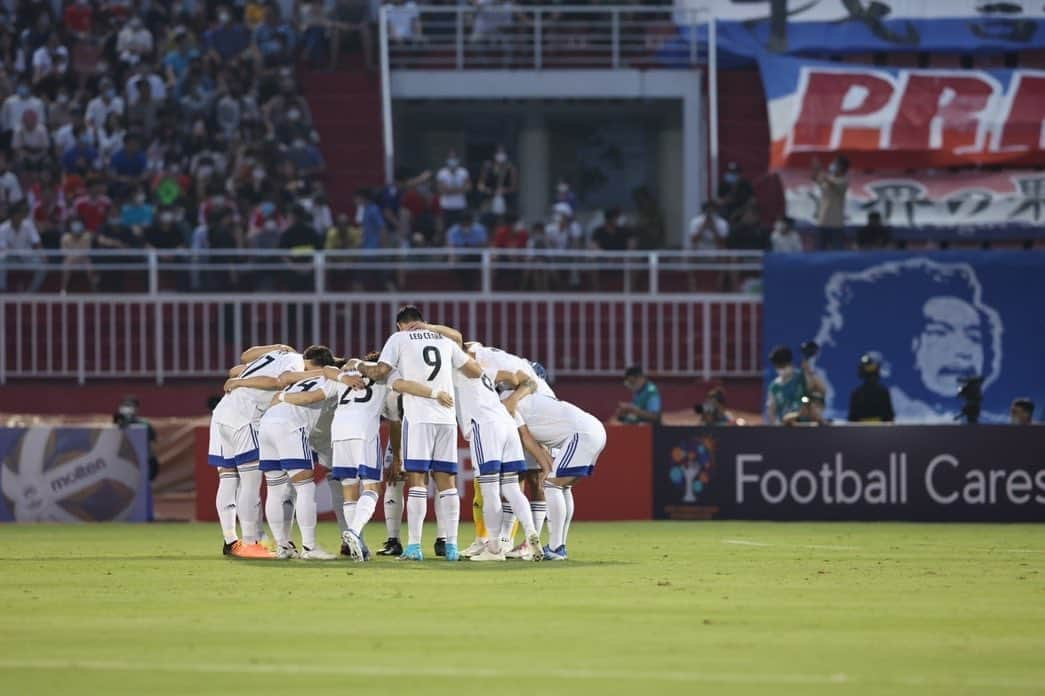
{"x":883,"y":117}
{"x":971,"y":199}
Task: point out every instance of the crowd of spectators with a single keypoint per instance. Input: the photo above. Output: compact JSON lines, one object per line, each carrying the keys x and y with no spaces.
{"x":127,"y":125}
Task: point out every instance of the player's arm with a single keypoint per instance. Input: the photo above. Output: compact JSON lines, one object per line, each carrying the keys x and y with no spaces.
{"x":526,"y":386}
{"x":395,"y":434}
{"x":471,"y":369}
{"x":536,"y":450}
{"x":236,"y":370}
{"x":300,"y":398}
{"x":257,"y":382}
{"x":650,"y":416}
{"x":378,"y":371}
{"x":770,"y":409}
{"x":253,"y":353}
{"x":336,"y":375}
{"x":408,"y":386}
{"x":288,"y":378}
{"x":453,"y":334}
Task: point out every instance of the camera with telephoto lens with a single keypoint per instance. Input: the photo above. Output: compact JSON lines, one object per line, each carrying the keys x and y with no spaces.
{"x":809,"y":349}
{"x":971,"y":393}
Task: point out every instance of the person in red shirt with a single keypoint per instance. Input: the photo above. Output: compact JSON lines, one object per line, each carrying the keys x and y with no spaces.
{"x":93,"y":208}
{"x":79,"y":17}
{"x":511,"y":234}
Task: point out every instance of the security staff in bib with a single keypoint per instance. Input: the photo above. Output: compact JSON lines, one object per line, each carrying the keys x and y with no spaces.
{"x":645,"y":405}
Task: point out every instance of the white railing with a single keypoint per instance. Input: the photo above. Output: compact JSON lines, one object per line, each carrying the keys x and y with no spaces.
{"x":505,"y":35}
{"x":169,"y":336}
{"x":487,"y":270}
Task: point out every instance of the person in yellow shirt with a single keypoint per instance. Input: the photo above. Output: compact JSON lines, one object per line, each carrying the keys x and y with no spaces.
{"x":343,"y":235}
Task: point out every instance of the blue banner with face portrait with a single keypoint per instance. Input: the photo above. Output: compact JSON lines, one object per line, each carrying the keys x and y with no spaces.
{"x":931,"y":320}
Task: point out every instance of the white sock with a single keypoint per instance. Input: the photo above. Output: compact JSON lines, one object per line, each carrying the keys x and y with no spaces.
{"x":539,"y":510}
{"x":394,"y":508}
{"x":225,"y":502}
{"x":556,"y":514}
{"x":450,"y":502}
{"x":337,"y":501}
{"x":288,"y":512}
{"x":567,"y":494}
{"x":490,"y":487}
{"x":507,"y":518}
{"x":305,"y":510}
{"x":248,"y":503}
{"x":364,"y":511}
{"x":278,"y":491}
{"x":513,"y":492}
{"x":416,"y":507}
{"x":348,"y":509}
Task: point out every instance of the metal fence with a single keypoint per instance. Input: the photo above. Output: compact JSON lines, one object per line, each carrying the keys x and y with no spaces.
{"x":382,"y":270}
{"x":168,"y":336}
{"x":495,"y":35}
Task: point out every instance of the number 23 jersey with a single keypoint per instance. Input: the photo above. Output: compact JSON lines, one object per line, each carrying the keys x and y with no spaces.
{"x":359,"y":411}
{"x":428,"y":358}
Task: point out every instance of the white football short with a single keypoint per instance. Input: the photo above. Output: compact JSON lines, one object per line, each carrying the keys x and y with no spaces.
{"x":429,"y":447}
{"x":232,"y":447}
{"x":285,"y":448}
{"x":496,"y":448}
{"x":358,"y":459}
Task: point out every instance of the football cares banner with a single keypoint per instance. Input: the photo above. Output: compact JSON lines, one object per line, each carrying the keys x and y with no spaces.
{"x":930,"y":319}
{"x":921,"y":473}
{"x":748,"y":27}
{"x":979,"y":205}
{"x":890,"y":118}
{"x":73,"y":474}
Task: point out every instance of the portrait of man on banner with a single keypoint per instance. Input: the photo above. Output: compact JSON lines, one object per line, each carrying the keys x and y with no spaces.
{"x":927,"y":321}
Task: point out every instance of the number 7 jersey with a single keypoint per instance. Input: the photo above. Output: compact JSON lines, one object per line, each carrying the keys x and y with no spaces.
{"x":428,"y":358}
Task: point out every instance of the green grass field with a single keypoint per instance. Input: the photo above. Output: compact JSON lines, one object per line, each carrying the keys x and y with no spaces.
{"x":649,"y":608}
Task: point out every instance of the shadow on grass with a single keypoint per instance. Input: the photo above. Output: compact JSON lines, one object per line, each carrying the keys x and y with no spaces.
{"x":372,"y":566}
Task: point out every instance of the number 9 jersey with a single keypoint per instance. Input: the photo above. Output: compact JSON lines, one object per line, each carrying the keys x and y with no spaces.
{"x":428,"y":358}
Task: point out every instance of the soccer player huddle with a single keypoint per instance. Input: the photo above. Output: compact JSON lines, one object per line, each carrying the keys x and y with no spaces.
{"x":284,"y":413}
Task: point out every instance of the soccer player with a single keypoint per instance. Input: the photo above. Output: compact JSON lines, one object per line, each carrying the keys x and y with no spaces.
{"x":429,"y":427}
{"x":286,"y":456}
{"x":233,"y":447}
{"x":579,"y":438}
{"x":395,"y":479}
{"x":497,"y":453}
{"x":357,"y":441}
{"x":517,"y":376}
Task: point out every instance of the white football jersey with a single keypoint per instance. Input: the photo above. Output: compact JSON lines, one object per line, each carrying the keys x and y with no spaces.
{"x":246,"y":405}
{"x":359,"y":411}
{"x":494,"y":360}
{"x":320,"y":437}
{"x":476,"y":399}
{"x":428,"y":358}
{"x":552,"y":422}
{"x":290,"y":416}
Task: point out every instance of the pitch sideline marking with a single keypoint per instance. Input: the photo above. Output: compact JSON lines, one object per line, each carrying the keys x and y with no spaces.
{"x":457,"y":672}
{"x":818,"y":547}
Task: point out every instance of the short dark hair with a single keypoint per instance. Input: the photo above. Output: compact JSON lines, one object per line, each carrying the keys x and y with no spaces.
{"x":1024,"y":404}
{"x":781,"y":355}
{"x":371,"y":356}
{"x":408,"y":314}
{"x":633,"y":371}
{"x":318,"y":355}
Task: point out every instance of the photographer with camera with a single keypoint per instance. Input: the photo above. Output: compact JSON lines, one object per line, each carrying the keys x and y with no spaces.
{"x":712,"y":410}
{"x":810,"y":412}
{"x":870,"y":402}
{"x":786,"y":391}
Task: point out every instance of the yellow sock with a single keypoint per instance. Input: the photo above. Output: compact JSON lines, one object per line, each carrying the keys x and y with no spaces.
{"x":477,"y":511}
{"x":515,"y":530}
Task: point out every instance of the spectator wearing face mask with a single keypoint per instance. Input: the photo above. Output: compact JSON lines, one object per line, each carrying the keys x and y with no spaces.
{"x":106,"y":103}
{"x":60,"y":112}
{"x":93,"y":207}
{"x":785,"y":239}
{"x":76,"y":255}
{"x":498,"y":184}
{"x":137,"y":211}
{"x":734,"y":190}
{"x":227,"y":39}
{"x":134,"y":43}
{"x":31,"y":142}
{"x":708,"y":230}
{"x":833,"y":184}
{"x":16,"y":106}
{"x":453,"y":184}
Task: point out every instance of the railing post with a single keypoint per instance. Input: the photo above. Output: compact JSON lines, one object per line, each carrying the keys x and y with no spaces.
{"x":386,"y":96}
{"x":654,"y":273}
{"x":486,"y":271}
{"x":154,"y":272}
{"x":459,"y":40}
{"x":81,"y":346}
{"x":705,"y":340}
{"x":615,"y":36}
{"x":158,"y":318}
{"x":538,"y":39}
{"x":629,"y":337}
{"x":319,"y":266}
